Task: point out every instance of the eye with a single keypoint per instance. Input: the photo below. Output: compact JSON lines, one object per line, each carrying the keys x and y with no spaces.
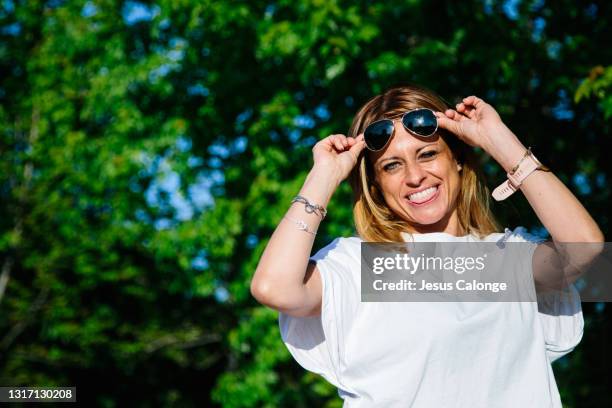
{"x":391,"y":166}
{"x":428,"y":154}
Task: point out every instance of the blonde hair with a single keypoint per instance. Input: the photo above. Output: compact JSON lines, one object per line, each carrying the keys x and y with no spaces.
{"x":374,"y":220}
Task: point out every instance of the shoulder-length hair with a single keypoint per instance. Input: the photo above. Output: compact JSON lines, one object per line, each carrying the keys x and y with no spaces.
{"x":374,"y":220}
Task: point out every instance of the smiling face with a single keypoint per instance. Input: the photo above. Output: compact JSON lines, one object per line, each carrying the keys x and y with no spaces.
{"x":419,"y":180}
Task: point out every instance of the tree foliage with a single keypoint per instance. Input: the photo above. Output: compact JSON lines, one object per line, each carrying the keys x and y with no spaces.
{"x":148,"y":150}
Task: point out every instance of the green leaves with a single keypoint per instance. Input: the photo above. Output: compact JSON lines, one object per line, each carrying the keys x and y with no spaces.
{"x":148,"y":151}
{"x":598,"y":85}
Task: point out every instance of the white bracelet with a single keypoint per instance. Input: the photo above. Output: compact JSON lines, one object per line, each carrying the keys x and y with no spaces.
{"x":523,"y":169}
{"x":301,"y":225}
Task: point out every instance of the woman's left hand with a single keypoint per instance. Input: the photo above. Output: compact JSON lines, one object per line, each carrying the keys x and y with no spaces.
{"x":477,"y":124}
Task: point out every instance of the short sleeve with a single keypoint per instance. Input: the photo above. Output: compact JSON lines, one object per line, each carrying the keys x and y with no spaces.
{"x":561,"y":315}
{"x":317,"y":343}
{"x":559,"y":312}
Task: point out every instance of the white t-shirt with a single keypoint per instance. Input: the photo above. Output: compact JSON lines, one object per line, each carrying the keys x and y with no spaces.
{"x":434,"y":354}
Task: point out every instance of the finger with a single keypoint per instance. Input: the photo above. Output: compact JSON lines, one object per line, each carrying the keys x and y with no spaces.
{"x":357,"y":148}
{"x":336,"y":141}
{"x":329,"y":142}
{"x":439,"y":115}
{"x":449,"y":124}
{"x":468,"y":99}
{"x":454,"y":115}
{"x":466,"y":110}
{"x":359,"y":145}
{"x":472,"y":100}
{"x":353,"y":140}
{"x":470,"y":113}
{"x":450,"y":113}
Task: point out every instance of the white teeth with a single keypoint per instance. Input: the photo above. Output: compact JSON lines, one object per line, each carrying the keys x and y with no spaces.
{"x":423,"y":195}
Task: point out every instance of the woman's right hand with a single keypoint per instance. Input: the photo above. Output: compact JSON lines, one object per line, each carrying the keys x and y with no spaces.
{"x":284,"y":279}
{"x":338,"y":153}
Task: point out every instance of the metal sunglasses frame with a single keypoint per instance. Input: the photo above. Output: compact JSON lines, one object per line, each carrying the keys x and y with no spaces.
{"x":402,"y":120}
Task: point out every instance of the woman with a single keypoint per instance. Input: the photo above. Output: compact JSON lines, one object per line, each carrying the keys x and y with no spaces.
{"x":414,"y":178}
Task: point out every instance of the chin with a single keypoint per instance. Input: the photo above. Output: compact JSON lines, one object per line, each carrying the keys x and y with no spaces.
{"x":428,"y":221}
{"x":424,"y":217}
{"x":427,"y":215}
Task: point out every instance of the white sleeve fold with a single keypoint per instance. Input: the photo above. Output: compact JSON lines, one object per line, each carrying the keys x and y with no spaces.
{"x":317,"y":343}
{"x":559,"y":312}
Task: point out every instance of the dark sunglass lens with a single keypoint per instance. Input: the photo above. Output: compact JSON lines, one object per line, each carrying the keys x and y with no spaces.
{"x":423,"y":122}
{"x":377,"y":134}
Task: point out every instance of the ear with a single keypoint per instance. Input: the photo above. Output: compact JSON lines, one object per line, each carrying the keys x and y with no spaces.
{"x":459,"y":167}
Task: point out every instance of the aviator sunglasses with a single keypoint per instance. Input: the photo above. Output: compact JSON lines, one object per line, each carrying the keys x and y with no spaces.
{"x":420,"y":122}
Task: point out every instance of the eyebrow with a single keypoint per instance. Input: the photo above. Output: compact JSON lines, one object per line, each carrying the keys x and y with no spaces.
{"x":399,"y":158}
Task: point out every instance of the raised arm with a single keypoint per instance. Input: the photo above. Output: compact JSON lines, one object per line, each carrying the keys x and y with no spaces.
{"x":284,"y":280}
{"x":478,"y":124}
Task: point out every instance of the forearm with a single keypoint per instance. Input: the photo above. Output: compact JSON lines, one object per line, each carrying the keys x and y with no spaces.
{"x":282,"y":267}
{"x":557,"y":208}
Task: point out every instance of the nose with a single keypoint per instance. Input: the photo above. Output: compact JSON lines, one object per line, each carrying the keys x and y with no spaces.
{"x":415,"y":174}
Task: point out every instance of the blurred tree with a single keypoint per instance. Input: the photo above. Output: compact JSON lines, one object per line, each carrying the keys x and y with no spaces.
{"x":598,"y":84}
{"x":149,"y":149}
